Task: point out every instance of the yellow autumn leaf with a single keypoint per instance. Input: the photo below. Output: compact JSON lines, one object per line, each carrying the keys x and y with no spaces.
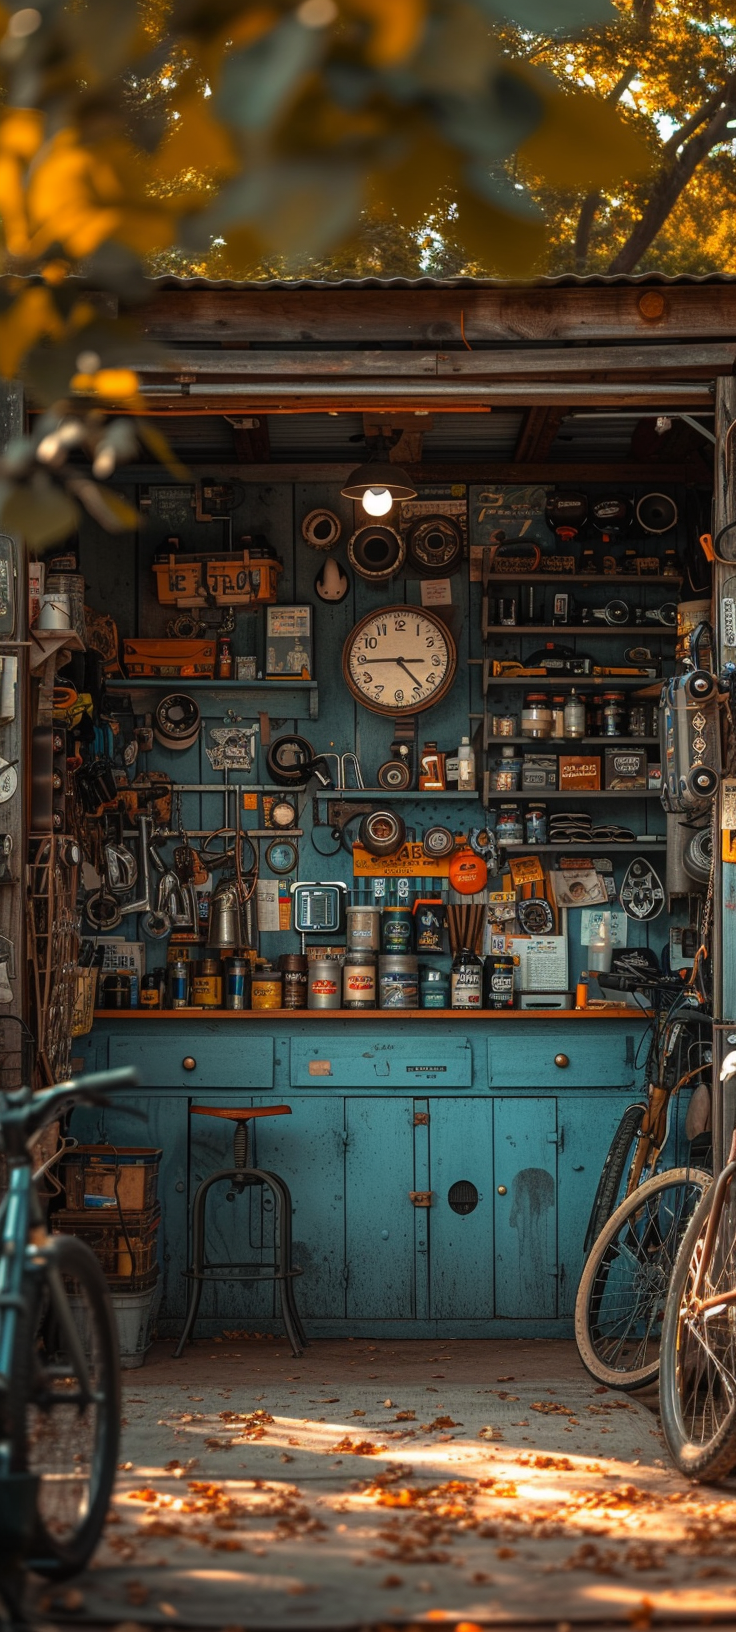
{"x":197,"y":141}
{"x":13,"y":205}
{"x":113,"y":383}
{"x":21,"y":132}
{"x":40,"y":513}
{"x":32,"y":317}
{"x":398,"y":26}
{"x":497,"y":238}
{"x":160,"y":447}
{"x":581,"y":142}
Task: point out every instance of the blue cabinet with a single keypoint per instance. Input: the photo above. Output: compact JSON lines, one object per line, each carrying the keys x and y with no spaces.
{"x":442,"y":1175}
{"x":525,"y":1208}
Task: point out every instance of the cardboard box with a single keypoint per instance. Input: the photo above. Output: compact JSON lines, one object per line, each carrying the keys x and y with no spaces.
{"x":579,"y":771}
{"x":626,"y":768}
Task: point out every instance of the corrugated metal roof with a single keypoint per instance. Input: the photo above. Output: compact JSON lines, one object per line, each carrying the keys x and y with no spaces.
{"x":594,"y":280}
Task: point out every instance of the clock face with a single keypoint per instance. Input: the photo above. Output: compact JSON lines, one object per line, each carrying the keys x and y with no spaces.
{"x":399,"y":660}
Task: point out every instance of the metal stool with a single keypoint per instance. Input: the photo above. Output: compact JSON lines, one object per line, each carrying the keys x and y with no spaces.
{"x":240,"y":1177}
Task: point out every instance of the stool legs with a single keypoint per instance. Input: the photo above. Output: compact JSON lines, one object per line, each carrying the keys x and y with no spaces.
{"x":243,"y":1177}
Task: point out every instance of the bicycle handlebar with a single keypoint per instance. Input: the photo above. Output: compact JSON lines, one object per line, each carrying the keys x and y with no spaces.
{"x":23,"y":1113}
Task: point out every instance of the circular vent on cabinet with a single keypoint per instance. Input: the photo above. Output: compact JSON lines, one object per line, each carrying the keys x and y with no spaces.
{"x":463,"y":1196}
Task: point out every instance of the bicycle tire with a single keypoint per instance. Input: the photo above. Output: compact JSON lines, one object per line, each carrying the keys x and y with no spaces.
{"x":703,"y":1462}
{"x":615,"y":1165}
{"x":640,"y":1209}
{"x":61,"y":1547}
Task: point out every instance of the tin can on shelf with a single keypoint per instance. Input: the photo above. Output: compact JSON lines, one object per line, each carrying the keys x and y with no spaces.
{"x":116,"y":990}
{"x":207,"y":985}
{"x":614,"y":713}
{"x":151,"y":996}
{"x":359,"y":981}
{"x":324,"y":984}
{"x":509,"y":828}
{"x":294,"y":970}
{"x":178,"y":975}
{"x":434,"y":989}
{"x":398,"y":978}
{"x":237,"y":982}
{"x":266,"y":990}
{"x":363,"y":929}
{"x":397,"y":929}
{"x":535,"y":822}
{"x":466,"y":981}
{"x":498,"y":981}
{"x":505,"y":725}
{"x":536,"y":716}
{"x":429,"y":924}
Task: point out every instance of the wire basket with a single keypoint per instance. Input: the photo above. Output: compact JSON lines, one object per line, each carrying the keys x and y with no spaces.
{"x":84,"y":1002}
{"x":17,"y":1053}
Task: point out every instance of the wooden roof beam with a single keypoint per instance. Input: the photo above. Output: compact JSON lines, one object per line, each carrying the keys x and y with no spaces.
{"x":539,"y":428}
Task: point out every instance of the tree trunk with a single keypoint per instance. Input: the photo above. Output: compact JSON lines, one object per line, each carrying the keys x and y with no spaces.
{"x":667,"y":189}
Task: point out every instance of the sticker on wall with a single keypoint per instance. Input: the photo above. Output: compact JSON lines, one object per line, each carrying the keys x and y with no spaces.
{"x":590,"y":922}
{"x":642,"y":893}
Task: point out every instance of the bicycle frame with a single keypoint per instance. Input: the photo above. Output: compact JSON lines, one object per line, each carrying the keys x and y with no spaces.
{"x":720,"y":1196}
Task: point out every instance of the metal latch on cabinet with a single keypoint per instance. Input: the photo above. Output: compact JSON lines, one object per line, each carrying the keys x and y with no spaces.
{"x":421,"y":1198}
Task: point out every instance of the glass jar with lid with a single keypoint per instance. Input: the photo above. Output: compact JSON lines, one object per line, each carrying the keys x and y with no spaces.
{"x":614,"y":713}
{"x":574,"y":715}
{"x":536,"y":715}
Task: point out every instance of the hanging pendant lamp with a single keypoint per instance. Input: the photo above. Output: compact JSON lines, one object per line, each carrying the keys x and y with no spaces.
{"x":378,"y":484}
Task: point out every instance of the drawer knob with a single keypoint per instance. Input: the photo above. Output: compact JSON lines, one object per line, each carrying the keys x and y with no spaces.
{"x":189,"y":1063}
{"x":560,"y":1059}
{"x":502,"y":1190}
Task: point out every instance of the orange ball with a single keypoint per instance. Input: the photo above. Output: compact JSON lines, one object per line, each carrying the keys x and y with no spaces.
{"x":468,"y":872}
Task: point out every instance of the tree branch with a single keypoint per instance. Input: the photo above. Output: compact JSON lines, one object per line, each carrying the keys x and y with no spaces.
{"x":705,"y":111}
{"x":671,"y":183}
{"x":644,"y":15}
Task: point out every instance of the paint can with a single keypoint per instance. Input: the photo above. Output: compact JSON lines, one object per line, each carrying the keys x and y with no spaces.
{"x":359,"y":981}
{"x":324,"y":984}
{"x":397,"y":930}
{"x":237,"y":971}
{"x":207,"y":985}
{"x":266,"y":990}
{"x":294,"y":969}
{"x":398,"y":979}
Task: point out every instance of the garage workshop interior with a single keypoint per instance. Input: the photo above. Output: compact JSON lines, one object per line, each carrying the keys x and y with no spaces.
{"x":363,"y":788}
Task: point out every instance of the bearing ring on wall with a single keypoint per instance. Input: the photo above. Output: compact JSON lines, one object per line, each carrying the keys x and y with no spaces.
{"x":177,"y":721}
{"x":321,"y":530}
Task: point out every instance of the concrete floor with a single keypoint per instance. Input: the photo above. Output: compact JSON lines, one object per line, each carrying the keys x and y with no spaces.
{"x":386,"y":1483}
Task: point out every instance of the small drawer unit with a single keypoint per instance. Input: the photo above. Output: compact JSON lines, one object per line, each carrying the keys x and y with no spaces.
{"x":564,"y":1056}
{"x":199,"y":1058}
{"x":403,"y":1062}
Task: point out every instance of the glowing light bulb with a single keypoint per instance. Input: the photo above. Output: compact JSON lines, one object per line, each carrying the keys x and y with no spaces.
{"x":377,"y":501}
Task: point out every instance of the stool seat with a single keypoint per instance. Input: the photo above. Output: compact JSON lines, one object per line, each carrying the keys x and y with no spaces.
{"x":236,"y":1113}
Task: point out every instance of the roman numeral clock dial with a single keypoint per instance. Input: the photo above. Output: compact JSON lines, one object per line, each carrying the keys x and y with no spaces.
{"x":399,"y":660}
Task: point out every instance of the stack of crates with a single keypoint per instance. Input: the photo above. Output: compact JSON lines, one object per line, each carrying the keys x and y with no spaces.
{"x":112,"y":1204}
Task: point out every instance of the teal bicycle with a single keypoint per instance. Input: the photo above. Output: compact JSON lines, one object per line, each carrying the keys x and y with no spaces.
{"x":59,"y":1362}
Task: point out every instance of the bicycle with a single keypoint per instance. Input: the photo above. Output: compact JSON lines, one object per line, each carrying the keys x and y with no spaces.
{"x":698,"y":1373}
{"x":59,"y":1362}
{"x":620,"y":1300}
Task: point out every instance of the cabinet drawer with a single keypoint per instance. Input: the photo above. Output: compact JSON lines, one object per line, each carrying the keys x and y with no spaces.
{"x":403,"y":1062}
{"x":218,"y":1062}
{"x":596,"y":1058}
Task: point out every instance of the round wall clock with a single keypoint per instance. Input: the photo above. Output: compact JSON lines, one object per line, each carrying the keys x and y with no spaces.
{"x":399,"y":660}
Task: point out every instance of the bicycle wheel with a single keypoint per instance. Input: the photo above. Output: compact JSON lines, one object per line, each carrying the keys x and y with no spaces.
{"x":697,"y":1386}
{"x":617,"y":1162}
{"x":621,"y":1297}
{"x":69,"y":1439}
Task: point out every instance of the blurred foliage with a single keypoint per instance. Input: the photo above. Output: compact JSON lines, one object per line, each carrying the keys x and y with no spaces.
{"x":277,"y":133}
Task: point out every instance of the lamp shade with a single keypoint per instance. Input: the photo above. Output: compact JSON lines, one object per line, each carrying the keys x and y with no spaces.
{"x":379,"y":473}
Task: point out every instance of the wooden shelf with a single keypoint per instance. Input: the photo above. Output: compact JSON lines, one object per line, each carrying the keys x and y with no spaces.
{"x":615,"y":1012}
{"x":590,"y":847}
{"x":543,"y":794}
{"x":621,"y":629}
{"x":153,"y":683}
{"x":379,"y":794}
{"x":601,"y":682}
{"x":569,"y":742}
{"x":590,"y":579}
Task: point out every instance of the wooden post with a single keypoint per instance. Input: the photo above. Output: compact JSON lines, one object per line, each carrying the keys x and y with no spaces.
{"x":14,"y":740}
{"x":724,"y":896}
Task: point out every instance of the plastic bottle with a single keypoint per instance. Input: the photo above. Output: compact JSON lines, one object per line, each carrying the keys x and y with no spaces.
{"x":599,"y":948}
{"x":465,"y":767}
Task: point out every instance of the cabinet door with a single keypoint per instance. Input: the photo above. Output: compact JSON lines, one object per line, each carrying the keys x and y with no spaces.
{"x":461,"y":1241}
{"x":164,"y":1128}
{"x":379,"y":1176}
{"x":307,"y":1150}
{"x":586,"y":1125}
{"x":525,"y":1208}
